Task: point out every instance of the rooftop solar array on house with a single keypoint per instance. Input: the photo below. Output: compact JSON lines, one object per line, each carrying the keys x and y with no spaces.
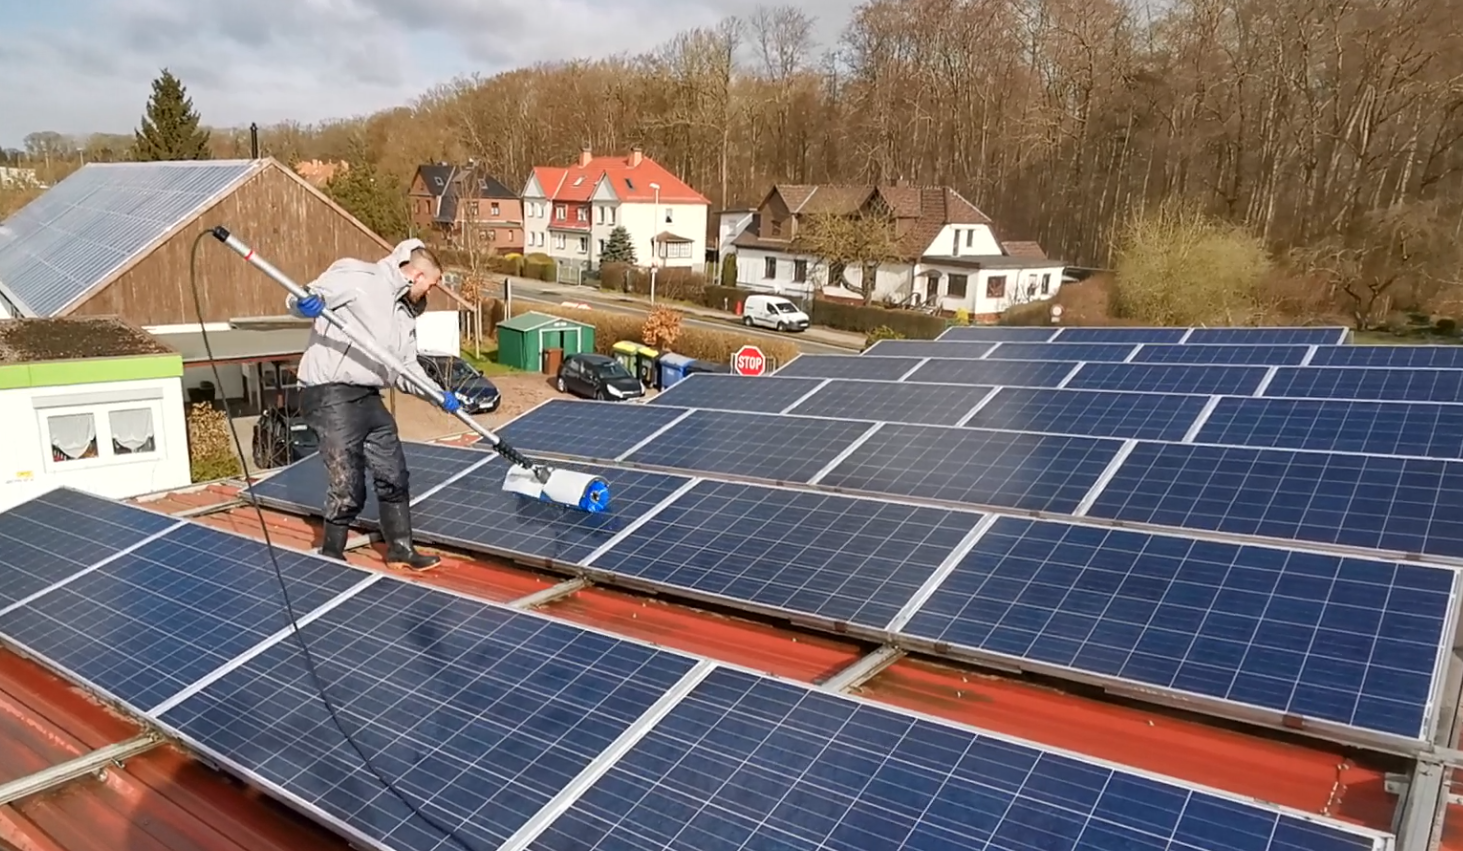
{"x":1244,"y":522}
{"x":85,"y":229}
{"x":518,"y":731}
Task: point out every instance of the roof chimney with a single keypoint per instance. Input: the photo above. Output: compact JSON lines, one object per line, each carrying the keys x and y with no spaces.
{"x":636,"y":155}
{"x":585,"y":156}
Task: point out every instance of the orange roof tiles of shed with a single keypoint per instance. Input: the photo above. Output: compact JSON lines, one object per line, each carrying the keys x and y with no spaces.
{"x":165,"y":799}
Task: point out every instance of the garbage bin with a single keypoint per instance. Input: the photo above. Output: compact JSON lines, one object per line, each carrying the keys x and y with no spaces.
{"x":637,"y":358}
{"x":671,"y":368}
{"x":553,"y":359}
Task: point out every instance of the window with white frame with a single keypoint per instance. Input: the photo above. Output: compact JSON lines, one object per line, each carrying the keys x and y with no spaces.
{"x":96,"y":434}
{"x":559,"y":240}
{"x":675,"y":250}
{"x":583,"y":245}
{"x":668,"y":216}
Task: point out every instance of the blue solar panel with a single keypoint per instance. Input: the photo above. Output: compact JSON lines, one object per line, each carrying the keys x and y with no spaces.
{"x":927,"y":349}
{"x":83,"y":230}
{"x":893,"y":402}
{"x":157,"y":619}
{"x":766,"y":394}
{"x":1320,"y":336}
{"x":60,"y":533}
{"x":986,"y":372}
{"x":1224,"y":355}
{"x":1330,"y":425}
{"x":475,"y":512}
{"x":848,"y":366}
{"x":1342,"y":640}
{"x":1109,"y":352}
{"x":1400,"y":504}
{"x":750,"y":764}
{"x":1434,"y":357}
{"x":848,"y":560}
{"x":1145,"y":416}
{"x":586,"y":429}
{"x":1010,"y":469}
{"x":1165,"y":378}
{"x":983,"y":334}
{"x":1121,"y":335}
{"x":301,"y":486}
{"x":1397,"y":385}
{"x":478,"y":714}
{"x":787,"y":449}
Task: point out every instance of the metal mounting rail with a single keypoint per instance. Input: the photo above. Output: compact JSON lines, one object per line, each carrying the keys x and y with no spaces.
{"x":87,"y":763}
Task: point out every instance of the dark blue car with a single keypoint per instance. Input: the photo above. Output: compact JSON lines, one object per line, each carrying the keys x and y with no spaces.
{"x":477,"y":394}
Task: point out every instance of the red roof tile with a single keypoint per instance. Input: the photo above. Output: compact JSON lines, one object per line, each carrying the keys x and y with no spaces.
{"x":630,"y":182}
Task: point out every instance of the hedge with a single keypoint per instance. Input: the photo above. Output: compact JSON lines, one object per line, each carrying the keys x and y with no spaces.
{"x":675,"y":284}
{"x":211,"y":450}
{"x":694,"y":342}
{"x":853,"y":317}
{"x":723,"y":298}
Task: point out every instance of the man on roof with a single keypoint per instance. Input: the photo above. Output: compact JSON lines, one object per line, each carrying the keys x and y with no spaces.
{"x":341,"y":400}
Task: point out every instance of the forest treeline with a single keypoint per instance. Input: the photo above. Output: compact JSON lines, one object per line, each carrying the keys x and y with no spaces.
{"x":1328,"y":130}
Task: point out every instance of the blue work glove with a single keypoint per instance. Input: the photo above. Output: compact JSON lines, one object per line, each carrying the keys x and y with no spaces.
{"x":311,"y":306}
{"x":450,"y":403}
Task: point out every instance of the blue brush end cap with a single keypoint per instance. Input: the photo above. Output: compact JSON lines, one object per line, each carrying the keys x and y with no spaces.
{"x":596,"y":497}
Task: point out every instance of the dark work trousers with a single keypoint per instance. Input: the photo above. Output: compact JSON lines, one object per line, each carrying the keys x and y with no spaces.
{"x":356,"y":434}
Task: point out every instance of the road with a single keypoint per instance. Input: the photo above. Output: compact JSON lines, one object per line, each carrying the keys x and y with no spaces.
{"x":543,"y":292}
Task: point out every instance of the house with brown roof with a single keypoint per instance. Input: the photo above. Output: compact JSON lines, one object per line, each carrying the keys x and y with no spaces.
{"x":571,"y":210}
{"x":465,"y":207}
{"x":947,"y":252}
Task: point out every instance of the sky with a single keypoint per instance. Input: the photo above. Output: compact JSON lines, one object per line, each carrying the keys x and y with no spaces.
{"x":83,"y":66}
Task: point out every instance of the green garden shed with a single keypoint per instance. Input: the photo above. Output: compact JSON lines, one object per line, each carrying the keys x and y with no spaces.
{"x":523,"y":339}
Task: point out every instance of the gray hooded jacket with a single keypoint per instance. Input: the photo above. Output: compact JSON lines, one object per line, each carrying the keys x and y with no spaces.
{"x":368,"y":298}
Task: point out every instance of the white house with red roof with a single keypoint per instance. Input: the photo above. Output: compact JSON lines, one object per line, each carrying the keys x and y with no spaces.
{"x":569,"y":212}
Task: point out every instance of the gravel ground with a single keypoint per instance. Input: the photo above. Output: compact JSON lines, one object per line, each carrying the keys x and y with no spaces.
{"x":422,"y":421}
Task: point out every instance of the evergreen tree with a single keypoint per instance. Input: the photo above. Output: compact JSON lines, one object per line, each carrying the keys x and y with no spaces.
{"x":170,"y":127}
{"x":369,"y":196}
{"x":618,"y":248}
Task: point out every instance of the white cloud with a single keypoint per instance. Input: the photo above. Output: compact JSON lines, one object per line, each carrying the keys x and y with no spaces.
{"x":271,"y":60}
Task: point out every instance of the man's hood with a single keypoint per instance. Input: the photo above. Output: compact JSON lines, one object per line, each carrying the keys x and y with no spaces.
{"x":399,"y":255}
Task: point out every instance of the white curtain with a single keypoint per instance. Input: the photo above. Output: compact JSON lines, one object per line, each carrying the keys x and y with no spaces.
{"x":72,"y":433}
{"x":132,"y":428}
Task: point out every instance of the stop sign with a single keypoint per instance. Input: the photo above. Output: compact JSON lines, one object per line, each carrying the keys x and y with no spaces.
{"x":748,"y":361}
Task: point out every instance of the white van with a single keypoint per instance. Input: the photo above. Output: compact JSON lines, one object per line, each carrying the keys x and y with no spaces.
{"x":773,"y":311}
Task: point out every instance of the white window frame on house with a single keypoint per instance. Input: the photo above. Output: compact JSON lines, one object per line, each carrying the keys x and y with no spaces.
{"x":561,"y":212}
{"x":675,"y":250}
{"x":669,"y":214}
{"x":104,"y":433}
{"x":559,"y":242}
{"x":581,"y":214}
{"x":493,"y":209}
{"x":611,"y":215}
{"x":769,"y":268}
{"x":583,"y":245}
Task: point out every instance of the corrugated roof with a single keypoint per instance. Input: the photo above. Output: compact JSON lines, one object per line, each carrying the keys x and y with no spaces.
{"x":86,"y":229}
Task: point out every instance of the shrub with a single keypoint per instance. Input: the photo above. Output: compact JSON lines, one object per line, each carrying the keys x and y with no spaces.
{"x":661,"y":329}
{"x":1446,"y":326}
{"x":615,"y":276}
{"x":540,"y":266}
{"x":883,"y":332}
{"x":851,"y":317}
{"x":211,"y":453}
{"x":693,"y":342}
{"x":729,"y":271}
{"x":1031,"y":313}
{"x":722,"y":298}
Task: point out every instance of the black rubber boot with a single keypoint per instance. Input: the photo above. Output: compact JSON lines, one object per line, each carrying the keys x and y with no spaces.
{"x":333,"y":545}
{"x":396,"y":529}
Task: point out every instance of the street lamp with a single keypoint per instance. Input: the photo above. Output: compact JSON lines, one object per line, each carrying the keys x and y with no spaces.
{"x":654,"y":223}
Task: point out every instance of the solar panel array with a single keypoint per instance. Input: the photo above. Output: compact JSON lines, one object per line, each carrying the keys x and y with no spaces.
{"x":891,"y":569}
{"x":517,"y":731}
{"x":85,"y":228}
